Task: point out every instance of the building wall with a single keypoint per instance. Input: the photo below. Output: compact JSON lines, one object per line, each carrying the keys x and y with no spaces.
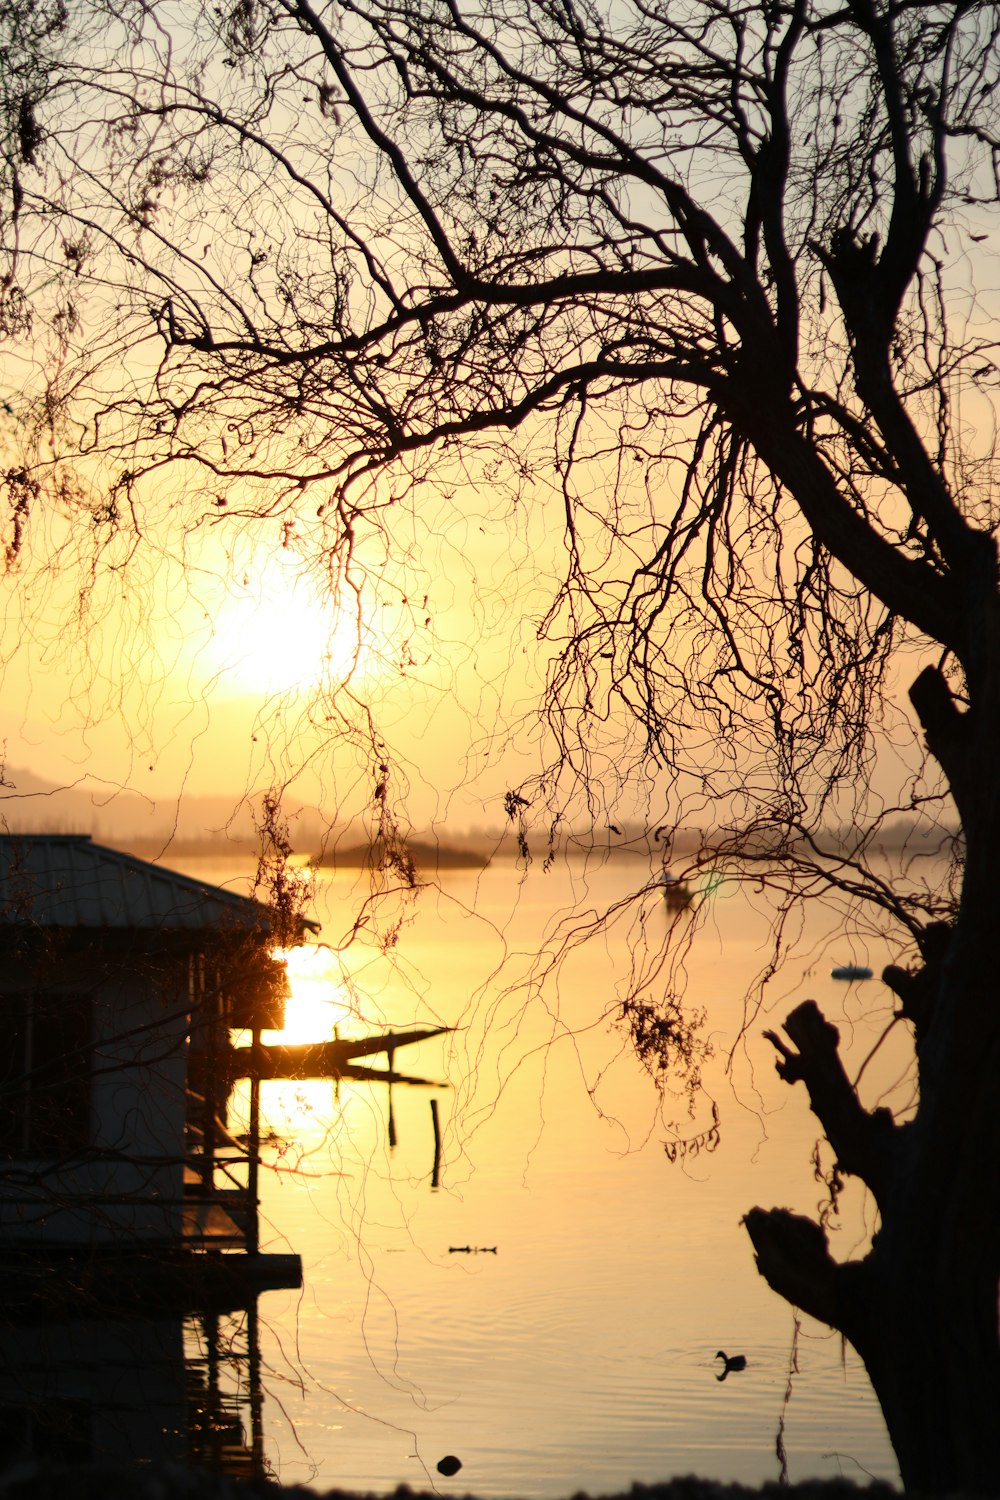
{"x":112,"y":1173}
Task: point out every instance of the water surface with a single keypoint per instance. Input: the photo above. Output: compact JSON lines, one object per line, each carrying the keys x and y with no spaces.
{"x":582,"y":1352}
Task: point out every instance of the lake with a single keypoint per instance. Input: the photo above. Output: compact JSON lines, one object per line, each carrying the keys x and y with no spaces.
{"x":551,"y":1311}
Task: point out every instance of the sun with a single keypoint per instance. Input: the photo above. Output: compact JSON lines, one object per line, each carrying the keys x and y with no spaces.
{"x":272,"y":631}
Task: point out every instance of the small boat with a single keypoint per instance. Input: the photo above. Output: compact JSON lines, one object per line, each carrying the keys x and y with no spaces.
{"x":677,"y":894}
{"x":851,"y":971}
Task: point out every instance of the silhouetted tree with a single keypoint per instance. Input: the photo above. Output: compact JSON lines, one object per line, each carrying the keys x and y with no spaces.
{"x":712,"y":281}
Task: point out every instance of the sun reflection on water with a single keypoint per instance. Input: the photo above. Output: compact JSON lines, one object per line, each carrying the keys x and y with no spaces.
{"x":317,"y":1003}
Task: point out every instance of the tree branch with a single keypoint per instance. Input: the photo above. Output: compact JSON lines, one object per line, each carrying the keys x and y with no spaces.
{"x":861,"y":1138}
{"x":907,"y":586}
{"x":794,"y":1258}
{"x":310,"y":21}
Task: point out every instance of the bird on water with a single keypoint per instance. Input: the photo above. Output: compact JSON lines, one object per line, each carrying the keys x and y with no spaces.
{"x":730,"y":1363}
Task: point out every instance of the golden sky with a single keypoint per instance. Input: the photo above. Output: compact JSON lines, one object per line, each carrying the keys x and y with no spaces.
{"x":231,"y":662}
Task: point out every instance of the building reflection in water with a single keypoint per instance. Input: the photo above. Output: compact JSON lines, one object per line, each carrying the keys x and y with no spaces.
{"x":179,"y":1388}
{"x":130,"y":1250}
{"x":224,"y":1395}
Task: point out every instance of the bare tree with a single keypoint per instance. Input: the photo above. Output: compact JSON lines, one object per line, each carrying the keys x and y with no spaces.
{"x":713,"y":282}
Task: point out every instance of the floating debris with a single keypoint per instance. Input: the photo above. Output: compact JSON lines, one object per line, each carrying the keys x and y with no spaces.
{"x":851,"y":971}
{"x":472,"y":1249}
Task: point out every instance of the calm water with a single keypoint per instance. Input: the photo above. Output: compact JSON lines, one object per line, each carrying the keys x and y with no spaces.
{"x":581,"y":1352}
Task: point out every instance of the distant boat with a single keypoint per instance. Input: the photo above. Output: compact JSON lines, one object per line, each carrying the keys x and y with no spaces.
{"x":851,"y":971}
{"x":677,"y":894}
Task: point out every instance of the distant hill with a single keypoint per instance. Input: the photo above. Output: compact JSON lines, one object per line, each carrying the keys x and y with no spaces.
{"x":424,"y":856}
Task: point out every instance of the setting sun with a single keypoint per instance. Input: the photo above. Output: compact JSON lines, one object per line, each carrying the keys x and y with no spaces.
{"x":273,"y":631}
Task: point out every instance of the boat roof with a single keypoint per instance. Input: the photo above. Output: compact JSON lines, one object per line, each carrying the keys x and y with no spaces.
{"x":66,"y":881}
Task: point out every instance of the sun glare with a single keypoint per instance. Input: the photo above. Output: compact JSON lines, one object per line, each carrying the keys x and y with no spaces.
{"x":274,"y":632}
{"x":317,"y":1003}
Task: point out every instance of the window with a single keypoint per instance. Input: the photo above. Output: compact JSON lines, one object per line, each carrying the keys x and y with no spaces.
{"x":44,"y":1074}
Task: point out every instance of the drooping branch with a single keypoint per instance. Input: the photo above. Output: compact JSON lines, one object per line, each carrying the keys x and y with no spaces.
{"x":864,"y":1140}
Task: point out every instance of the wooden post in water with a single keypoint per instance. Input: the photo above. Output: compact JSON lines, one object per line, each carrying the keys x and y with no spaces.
{"x":436,"y":1174}
{"x":209,"y":1008}
{"x":252,"y":1231}
{"x":256,"y":1393}
{"x":390,"y":1058}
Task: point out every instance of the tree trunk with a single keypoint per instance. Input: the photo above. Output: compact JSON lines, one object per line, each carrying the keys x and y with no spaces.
{"x":926,"y":1328}
{"x":921,"y":1308}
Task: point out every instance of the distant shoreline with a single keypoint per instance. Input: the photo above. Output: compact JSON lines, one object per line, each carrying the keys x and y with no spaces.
{"x":477,"y":852}
{"x":476,"y":849}
{"x":33,"y":1480}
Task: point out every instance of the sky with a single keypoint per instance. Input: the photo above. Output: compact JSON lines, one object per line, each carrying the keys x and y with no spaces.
{"x":211,"y":668}
{"x":201,"y":661}
{"x":217,"y":663}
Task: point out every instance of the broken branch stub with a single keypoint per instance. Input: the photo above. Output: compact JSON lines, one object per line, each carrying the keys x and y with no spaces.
{"x":861,"y":1139}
